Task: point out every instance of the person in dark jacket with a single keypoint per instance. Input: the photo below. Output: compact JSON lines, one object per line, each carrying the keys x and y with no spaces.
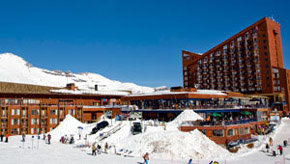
{"x":48,"y":138}
{"x":267,"y":147}
{"x":1,"y":137}
{"x":23,"y":137}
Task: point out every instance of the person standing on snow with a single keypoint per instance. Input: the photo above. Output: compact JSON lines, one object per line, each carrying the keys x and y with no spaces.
{"x":267,"y":147}
{"x":146,"y":158}
{"x":6,"y":138}
{"x":106,"y":147}
{"x":94,"y":148}
{"x":270,"y":141}
{"x":48,"y":138}
{"x":280,"y":149}
{"x":23,"y":137}
{"x":1,"y":137}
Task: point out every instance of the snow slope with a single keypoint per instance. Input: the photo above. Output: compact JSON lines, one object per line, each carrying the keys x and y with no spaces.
{"x":15,"y":69}
{"x":67,"y":127}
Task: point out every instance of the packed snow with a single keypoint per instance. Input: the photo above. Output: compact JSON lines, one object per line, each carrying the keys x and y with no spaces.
{"x":185,"y":116}
{"x":69,"y":126}
{"x":15,"y":69}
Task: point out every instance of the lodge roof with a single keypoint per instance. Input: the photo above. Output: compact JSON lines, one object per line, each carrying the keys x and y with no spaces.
{"x":7,"y":87}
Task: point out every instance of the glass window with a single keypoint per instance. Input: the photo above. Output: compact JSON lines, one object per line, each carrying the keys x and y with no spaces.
{"x":231,"y":132}
{"x":218,"y":133}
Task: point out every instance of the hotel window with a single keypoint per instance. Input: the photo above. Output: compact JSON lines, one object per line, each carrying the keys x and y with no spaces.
{"x":34,"y":121}
{"x":35,"y":112}
{"x":53,"y":121}
{"x":53,"y":112}
{"x":247,"y":35}
{"x":218,"y":133}
{"x":231,"y":132}
{"x":232,"y":44}
{"x":277,"y":88}
{"x":15,"y":121}
{"x":15,"y":112}
{"x":275,"y":72}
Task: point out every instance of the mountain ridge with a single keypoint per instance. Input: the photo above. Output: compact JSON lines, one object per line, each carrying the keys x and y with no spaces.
{"x":15,"y":69}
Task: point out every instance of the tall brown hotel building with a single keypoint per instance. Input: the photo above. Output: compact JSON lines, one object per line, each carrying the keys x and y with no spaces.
{"x":250,"y":62}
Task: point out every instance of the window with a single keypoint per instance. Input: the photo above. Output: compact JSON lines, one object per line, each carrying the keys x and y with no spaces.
{"x":277,"y":88}
{"x":53,"y":121}
{"x":15,"y":121}
{"x":265,"y":53}
{"x":218,"y":133}
{"x":15,"y":111}
{"x":231,"y":132}
{"x":275,"y":72}
{"x":53,"y":112}
{"x":35,"y":112}
{"x":247,"y":130}
{"x":34,"y":121}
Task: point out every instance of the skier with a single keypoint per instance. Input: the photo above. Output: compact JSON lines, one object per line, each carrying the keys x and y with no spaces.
{"x":6,"y":138}
{"x":280,"y":149}
{"x":94,"y":149}
{"x":48,"y":138}
{"x":146,"y":158}
{"x":23,"y":137}
{"x":44,"y":136}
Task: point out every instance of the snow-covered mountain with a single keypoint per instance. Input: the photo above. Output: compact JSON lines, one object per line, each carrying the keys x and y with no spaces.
{"x":15,"y":69}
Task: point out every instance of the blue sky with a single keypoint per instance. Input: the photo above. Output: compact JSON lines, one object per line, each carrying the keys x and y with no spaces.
{"x":132,"y":41}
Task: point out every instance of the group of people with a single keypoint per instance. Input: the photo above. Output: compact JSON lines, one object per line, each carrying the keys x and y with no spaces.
{"x":280,"y":148}
{"x":2,"y":137}
{"x":65,"y":139}
{"x":96,"y":148}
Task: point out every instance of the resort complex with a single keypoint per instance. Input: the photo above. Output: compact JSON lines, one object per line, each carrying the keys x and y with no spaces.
{"x":236,"y":88}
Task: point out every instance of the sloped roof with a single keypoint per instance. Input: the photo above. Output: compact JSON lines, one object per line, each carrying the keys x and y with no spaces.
{"x":6,"y":87}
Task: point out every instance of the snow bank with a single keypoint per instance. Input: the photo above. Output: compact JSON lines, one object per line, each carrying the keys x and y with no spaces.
{"x":186,"y":115}
{"x":173,"y":145}
{"x":69,"y":126}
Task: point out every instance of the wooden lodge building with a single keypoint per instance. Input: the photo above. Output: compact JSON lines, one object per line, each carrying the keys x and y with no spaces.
{"x":33,"y":109}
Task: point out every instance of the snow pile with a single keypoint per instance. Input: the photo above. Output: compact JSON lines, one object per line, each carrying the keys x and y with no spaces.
{"x":185,"y":116}
{"x":173,"y":145}
{"x":69,"y":126}
{"x":15,"y":69}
